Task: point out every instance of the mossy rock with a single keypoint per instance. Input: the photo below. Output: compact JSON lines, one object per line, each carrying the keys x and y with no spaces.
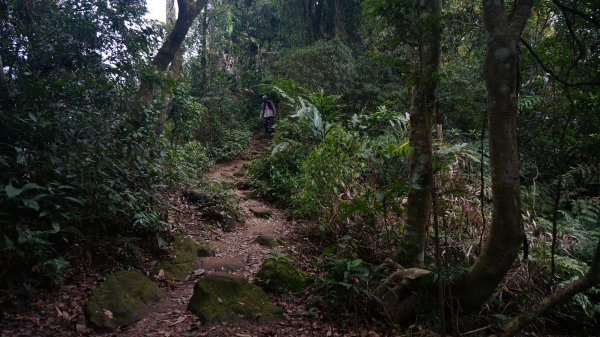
{"x":280,"y":275}
{"x":185,"y":258}
{"x":204,"y":250}
{"x":261,"y":212}
{"x":226,"y":218}
{"x":204,"y":198}
{"x":120,"y":300}
{"x":269,"y":241}
{"x":224,"y":297}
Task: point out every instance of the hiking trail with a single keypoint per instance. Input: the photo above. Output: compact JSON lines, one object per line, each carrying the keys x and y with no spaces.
{"x":235,"y":252}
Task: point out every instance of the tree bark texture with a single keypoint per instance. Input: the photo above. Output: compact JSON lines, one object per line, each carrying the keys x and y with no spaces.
{"x":188,"y":11}
{"x":506,"y":231}
{"x":421,"y":116}
{"x":175,"y":69}
{"x":204,"y":52}
{"x":590,"y":279}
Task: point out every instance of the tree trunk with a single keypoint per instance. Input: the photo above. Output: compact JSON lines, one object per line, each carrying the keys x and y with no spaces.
{"x":188,"y":11}
{"x":338,"y":19}
{"x":204,"y":53}
{"x":506,"y":231}
{"x":4,"y":88}
{"x":590,"y":279}
{"x":175,"y":70}
{"x":317,"y":19}
{"x":421,"y":115}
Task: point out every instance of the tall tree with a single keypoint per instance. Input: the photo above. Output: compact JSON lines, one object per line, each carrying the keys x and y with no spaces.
{"x":421,"y":117}
{"x":188,"y":11}
{"x":501,"y":80}
{"x":175,"y":69}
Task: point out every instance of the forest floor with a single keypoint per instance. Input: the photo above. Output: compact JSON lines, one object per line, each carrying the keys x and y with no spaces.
{"x":235,"y":252}
{"x":61,"y":313}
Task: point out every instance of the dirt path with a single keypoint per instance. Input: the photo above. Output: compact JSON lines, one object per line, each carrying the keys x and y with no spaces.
{"x":235,"y":252}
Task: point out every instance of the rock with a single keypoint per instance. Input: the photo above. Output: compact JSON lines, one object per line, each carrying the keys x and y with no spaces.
{"x":120,"y":300}
{"x":223,"y":297}
{"x":261,"y":212}
{"x":203,"y":249}
{"x":280,"y":275}
{"x":201,"y":197}
{"x":224,"y":263}
{"x":269,"y":241}
{"x":239,"y":174}
{"x":184,"y":260}
{"x":400,"y":296}
{"x":227,"y":220}
{"x":243,"y":185}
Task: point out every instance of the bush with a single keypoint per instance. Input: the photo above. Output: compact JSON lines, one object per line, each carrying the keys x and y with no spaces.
{"x":233,"y":143}
{"x":188,"y":161}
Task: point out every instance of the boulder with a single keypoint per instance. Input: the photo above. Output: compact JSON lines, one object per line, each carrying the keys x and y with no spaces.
{"x":184,"y":258}
{"x":269,"y":241}
{"x":226,"y":218}
{"x":204,"y":249}
{"x":201,"y":197}
{"x":261,"y":212}
{"x":224,"y":297}
{"x":120,"y":300}
{"x":280,"y":275}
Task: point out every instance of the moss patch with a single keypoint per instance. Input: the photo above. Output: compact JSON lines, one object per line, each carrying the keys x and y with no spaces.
{"x":120,"y":300}
{"x":269,"y":241}
{"x":223,"y":297}
{"x":204,"y":249}
{"x":185,"y":258}
{"x":280,"y":275}
{"x":227,"y":217}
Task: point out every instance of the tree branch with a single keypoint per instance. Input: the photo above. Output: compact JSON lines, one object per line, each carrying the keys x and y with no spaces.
{"x":520,"y":17}
{"x":188,"y":11}
{"x":590,"y":279}
{"x":551,"y":72}
{"x":585,"y":16}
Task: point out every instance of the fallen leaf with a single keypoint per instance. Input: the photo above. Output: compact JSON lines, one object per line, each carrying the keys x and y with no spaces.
{"x":161,"y":273}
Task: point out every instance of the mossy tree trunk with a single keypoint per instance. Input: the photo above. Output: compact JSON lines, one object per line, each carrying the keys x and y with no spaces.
{"x":421,"y":116}
{"x":506,"y":231}
{"x":188,"y":11}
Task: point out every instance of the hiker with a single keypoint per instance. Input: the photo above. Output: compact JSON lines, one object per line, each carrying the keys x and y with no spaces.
{"x":267,"y":114}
